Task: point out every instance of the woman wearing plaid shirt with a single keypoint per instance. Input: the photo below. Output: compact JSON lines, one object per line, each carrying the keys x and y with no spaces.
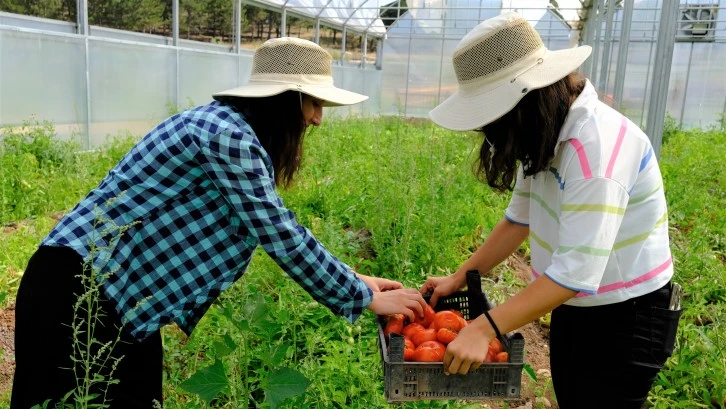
{"x":197,"y":196}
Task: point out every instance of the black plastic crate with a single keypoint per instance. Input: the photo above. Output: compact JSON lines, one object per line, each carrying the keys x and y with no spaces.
{"x":412,"y":381}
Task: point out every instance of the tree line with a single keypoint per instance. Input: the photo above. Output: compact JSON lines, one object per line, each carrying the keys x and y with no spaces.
{"x":203,"y":20}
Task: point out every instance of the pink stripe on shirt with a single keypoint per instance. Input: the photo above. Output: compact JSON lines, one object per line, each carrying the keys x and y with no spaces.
{"x":611,"y":165}
{"x":625,"y":284}
{"x":584,"y":164}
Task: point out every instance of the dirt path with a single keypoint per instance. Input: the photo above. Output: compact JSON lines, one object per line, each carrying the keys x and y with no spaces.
{"x":7,"y":344}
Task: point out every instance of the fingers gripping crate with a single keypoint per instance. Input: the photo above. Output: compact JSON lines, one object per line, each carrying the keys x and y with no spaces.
{"x":412,"y":381}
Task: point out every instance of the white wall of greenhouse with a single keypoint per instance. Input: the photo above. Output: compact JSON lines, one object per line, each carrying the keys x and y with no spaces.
{"x":108,"y":81}
{"x":112,"y":81}
{"x":418,"y":72}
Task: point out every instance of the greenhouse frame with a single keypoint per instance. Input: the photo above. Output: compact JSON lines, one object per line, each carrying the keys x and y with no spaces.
{"x":93,"y":81}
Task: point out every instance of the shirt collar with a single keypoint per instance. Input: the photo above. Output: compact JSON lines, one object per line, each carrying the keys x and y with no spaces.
{"x":584,"y":103}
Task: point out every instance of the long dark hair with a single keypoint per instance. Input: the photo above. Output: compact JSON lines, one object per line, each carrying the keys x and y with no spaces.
{"x":527,"y":134}
{"x":280,"y":127}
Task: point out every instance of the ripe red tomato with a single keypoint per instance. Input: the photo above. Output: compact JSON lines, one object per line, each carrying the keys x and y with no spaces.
{"x":427,"y":318}
{"x":426,"y":355}
{"x":436,"y":346}
{"x":411,"y":329}
{"x":457,"y":312}
{"x":428,"y":334}
{"x":394,"y":324}
{"x":447,"y":319}
{"x":495,"y":346}
{"x":501,"y":357}
{"x":408,"y":350}
{"x":445,"y":335}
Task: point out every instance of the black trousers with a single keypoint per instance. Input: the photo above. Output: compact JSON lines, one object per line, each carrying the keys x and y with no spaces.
{"x":608,"y":356}
{"x":44,"y":340}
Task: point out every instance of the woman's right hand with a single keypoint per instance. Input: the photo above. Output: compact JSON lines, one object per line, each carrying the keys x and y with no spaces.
{"x":407,"y":301}
{"x":442,"y":286}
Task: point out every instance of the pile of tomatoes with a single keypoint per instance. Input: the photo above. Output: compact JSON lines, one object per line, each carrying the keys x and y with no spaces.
{"x":427,"y":337}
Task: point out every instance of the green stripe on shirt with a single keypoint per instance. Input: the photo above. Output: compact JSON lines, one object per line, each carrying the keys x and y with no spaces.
{"x":540,"y":201}
{"x":593,"y":251}
{"x":642,"y":236}
{"x":641,"y":198}
{"x":593,"y":208}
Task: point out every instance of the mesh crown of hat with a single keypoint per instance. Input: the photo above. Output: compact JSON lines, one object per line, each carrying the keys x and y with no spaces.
{"x":496,"y":51}
{"x":292,"y":57}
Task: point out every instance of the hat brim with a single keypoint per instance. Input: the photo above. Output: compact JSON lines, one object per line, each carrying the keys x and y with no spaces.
{"x":331,"y":95}
{"x":467,"y":112}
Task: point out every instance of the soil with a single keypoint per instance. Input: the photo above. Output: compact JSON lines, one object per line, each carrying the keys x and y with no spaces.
{"x":7,"y":344}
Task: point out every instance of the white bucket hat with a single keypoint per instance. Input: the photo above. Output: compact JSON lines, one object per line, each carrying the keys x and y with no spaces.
{"x":293,"y":64}
{"x":496,"y":65}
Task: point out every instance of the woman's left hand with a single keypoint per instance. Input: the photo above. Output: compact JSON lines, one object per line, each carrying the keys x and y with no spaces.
{"x":378,"y":284}
{"x":467,"y":351}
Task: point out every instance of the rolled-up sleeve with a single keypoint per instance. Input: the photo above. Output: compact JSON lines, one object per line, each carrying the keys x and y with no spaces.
{"x":241,"y":170}
{"x":518,"y":210}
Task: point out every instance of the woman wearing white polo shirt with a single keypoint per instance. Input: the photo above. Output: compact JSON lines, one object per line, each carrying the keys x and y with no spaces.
{"x":588,"y":193}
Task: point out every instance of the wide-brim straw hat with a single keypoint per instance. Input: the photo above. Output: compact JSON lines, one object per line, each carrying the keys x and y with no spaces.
{"x":496,"y":65}
{"x":293,"y":64}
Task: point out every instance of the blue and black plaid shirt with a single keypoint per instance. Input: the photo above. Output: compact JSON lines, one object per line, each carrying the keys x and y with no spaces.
{"x":199,"y":195}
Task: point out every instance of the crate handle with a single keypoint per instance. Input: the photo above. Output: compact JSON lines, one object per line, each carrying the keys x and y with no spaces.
{"x":473,"y":283}
{"x":480,"y":301}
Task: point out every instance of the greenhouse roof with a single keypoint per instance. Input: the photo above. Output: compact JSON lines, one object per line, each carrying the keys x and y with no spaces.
{"x":361,"y":16}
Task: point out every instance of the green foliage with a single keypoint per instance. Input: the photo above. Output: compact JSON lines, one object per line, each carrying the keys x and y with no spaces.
{"x":694,"y":174}
{"x":41,"y":174}
{"x":671,"y":126}
{"x":397,"y":198}
{"x":208,"y":382}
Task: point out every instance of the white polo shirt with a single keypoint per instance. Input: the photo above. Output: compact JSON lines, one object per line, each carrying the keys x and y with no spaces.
{"x":597,"y":218}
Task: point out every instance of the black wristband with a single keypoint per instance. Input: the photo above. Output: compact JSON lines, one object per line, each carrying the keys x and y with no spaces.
{"x":491,"y":321}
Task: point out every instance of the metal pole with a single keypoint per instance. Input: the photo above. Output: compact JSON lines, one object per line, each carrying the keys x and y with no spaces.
{"x":317,"y":31}
{"x":317,"y":22}
{"x":662,"y":73}
{"x":625,"y":25}
{"x":646,"y":83}
{"x":587,"y":36}
{"x":605,"y":65}
{"x":175,"y":43}
{"x":443,"y":45}
{"x":408,"y":63}
{"x":237,"y":25}
{"x":364,"y":51}
{"x":342,"y":44}
{"x":597,"y":29}
{"x":379,"y":54}
{"x":82,"y":16}
{"x":685,"y":89}
{"x":283,"y":24}
{"x":175,"y":23}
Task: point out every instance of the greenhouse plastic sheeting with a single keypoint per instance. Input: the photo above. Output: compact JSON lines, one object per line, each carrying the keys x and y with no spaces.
{"x":417,"y":68}
{"x":358,"y":15}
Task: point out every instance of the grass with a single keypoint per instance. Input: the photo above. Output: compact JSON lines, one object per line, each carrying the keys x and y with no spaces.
{"x":394,"y":198}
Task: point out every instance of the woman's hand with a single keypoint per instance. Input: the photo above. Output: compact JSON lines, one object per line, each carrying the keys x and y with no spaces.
{"x":379,"y":284}
{"x":469,"y":349}
{"x":443,"y":286}
{"x":407,"y":301}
